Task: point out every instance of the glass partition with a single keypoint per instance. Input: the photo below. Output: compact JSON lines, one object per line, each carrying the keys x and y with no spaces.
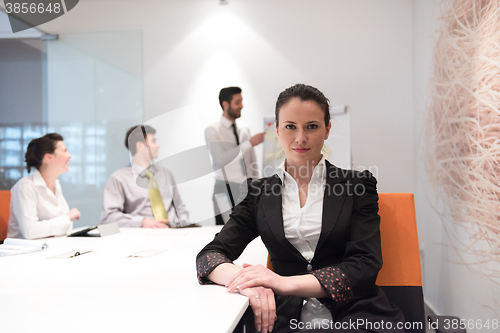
{"x":94,"y":94}
{"x":91,"y":93}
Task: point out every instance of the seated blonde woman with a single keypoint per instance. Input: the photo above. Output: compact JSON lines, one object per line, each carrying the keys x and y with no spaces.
{"x":320,"y":226}
{"x":37,"y":207}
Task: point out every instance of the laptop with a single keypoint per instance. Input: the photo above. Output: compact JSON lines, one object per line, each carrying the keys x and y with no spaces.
{"x":82,"y":232}
{"x":103,"y":230}
{"x":183,"y":224}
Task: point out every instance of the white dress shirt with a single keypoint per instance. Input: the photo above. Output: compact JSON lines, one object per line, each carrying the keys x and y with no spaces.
{"x":302,"y":226}
{"x":126,"y":197}
{"x":225,"y":152}
{"x":35,"y":211}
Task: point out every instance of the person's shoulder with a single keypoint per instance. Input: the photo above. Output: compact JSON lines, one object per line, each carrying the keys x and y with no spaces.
{"x":121,"y":173}
{"x":25,"y":181}
{"x":24,"y":185}
{"x":161,"y":168}
{"x":257,"y":181}
{"x":214,"y":126}
{"x":334,"y":171}
{"x":241,"y":124}
{"x":261,"y":183}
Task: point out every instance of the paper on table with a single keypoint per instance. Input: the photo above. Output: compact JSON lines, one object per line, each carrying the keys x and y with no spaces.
{"x":69,"y":255}
{"x":146,"y":253}
{"x":13,"y":246}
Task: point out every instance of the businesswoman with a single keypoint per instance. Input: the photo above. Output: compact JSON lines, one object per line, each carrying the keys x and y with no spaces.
{"x":320,"y":226}
{"x":37,"y":207}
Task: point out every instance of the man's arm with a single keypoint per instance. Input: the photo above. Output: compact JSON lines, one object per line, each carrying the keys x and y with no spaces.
{"x":113,"y":206}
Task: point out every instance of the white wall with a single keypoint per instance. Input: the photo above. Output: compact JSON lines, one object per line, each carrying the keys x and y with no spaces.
{"x":358,"y":53}
{"x":450,"y":287}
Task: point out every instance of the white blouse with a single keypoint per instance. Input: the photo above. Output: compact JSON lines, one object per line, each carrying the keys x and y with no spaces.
{"x":35,"y":211}
{"x":302,"y":226}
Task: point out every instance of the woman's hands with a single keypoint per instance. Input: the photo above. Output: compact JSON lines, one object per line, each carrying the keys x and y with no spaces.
{"x":259,"y":284}
{"x":152,"y":223}
{"x":73,"y":214}
{"x":257,"y":276}
{"x":263,"y":306}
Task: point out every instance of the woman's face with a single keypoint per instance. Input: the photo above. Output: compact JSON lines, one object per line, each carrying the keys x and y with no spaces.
{"x":302,"y":130}
{"x":60,"y":158}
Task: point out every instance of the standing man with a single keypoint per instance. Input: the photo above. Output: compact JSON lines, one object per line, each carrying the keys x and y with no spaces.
{"x":231,"y":146}
{"x":139,"y":195}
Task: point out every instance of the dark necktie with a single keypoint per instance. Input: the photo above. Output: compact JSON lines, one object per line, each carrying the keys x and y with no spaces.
{"x":236,"y":134}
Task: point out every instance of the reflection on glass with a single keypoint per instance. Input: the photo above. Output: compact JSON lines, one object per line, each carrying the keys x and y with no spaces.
{"x":12,"y":133}
{"x":10,"y":153}
{"x":13,"y":174}
{"x":31,"y":132}
{"x":13,"y":142}
{"x":92,"y":94}
{"x":90,"y":148}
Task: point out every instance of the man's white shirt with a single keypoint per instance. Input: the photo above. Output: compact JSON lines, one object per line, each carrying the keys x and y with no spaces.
{"x":226,"y":153}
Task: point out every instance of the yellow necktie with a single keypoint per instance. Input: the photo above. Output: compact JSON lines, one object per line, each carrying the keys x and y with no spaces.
{"x":157,"y":205}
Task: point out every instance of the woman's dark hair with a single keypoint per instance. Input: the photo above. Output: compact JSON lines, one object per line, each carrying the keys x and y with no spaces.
{"x":304,"y":93}
{"x":37,"y":149}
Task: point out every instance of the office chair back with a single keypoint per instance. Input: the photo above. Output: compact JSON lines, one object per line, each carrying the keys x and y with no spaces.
{"x":400,"y":277}
{"x":399,"y":237}
{"x":4,"y":213}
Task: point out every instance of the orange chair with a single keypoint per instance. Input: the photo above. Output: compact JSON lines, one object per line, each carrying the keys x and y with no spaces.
{"x":4,"y":213}
{"x":400,"y":276}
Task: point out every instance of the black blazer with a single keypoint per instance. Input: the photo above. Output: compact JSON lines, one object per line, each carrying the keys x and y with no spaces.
{"x":347,"y":258}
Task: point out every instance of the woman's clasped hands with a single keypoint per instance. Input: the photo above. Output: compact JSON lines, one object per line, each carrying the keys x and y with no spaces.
{"x":257,"y":276}
{"x":259,"y":284}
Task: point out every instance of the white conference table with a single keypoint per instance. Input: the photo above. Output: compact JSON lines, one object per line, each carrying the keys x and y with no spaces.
{"x":106,"y":291}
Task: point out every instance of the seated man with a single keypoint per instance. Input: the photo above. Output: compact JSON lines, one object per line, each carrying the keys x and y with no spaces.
{"x":140,"y":195}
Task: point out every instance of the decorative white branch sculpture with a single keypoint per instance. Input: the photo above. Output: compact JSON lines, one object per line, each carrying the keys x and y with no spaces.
{"x":463,"y":128}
